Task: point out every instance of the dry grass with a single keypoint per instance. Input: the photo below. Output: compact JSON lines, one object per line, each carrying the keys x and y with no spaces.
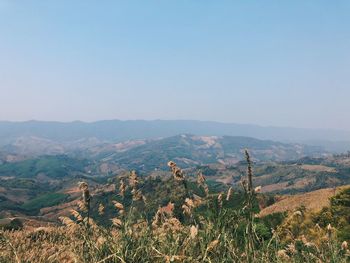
{"x":313,"y":201}
{"x":218,"y":234}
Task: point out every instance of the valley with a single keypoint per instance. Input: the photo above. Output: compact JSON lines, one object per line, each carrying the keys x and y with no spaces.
{"x":55,"y":191}
{"x":42,"y":182}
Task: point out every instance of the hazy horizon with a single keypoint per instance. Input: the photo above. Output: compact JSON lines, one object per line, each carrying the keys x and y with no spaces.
{"x":174,"y":120}
{"x":261,"y":63}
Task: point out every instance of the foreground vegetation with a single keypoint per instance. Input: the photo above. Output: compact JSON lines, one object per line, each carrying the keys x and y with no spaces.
{"x":196,"y":224}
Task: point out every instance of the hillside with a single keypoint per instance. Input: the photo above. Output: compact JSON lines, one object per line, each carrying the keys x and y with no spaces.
{"x":312,"y":201}
{"x":298,"y":176}
{"x":57,"y":166}
{"x":147,"y":155}
{"x":28,"y":185}
{"x":190,"y":151}
{"x":146,"y":219}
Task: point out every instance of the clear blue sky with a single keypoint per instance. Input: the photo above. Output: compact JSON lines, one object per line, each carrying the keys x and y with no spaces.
{"x":281,"y":63}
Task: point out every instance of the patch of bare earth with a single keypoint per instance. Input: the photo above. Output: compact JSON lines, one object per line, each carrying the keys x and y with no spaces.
{"x":225,"y":179}
{"x":318,"y":168}
{"x":123,"y":146}
{"x":187,"y":161}
{"x":72,"y":191}
{"x":274,"y":187}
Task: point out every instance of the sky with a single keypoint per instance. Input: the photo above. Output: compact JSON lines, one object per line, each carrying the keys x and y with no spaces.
{"x":271,"y":63}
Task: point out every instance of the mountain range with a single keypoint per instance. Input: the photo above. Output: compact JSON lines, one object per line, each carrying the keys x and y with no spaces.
{"x":119,"y":131}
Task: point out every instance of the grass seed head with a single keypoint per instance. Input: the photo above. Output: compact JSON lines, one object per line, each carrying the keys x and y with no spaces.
{"x":176,"y":171}
{"x":197,"y":200}
{"x":171,"y":164}
{"x":291,"y":249}
{"x":137,"y":195}
{"x":329,"y":230}
{"x":101,"y":209}
{"x":344,"y":245}
{"x":193,"y":232}
{"x":77,"y":215}
{"x":229,"y":193}
{"x":189,"y":202}
{"x":257,"y":189}
{"x":122,"y":188}
{"x":186,"y":210}
{"x":213,"y":244}
{"x":201,"y":181}
{"x":282,"y":254}
{"x":298,"y":213}
{"x":117,"y":222}
{"x":118,"y":205}
{"x":84,"y":188}
{"x":220,"y":200}
{"x":133,"y":180}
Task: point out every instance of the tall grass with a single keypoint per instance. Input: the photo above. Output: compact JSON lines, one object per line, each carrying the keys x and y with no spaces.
{"x":208,"y":231}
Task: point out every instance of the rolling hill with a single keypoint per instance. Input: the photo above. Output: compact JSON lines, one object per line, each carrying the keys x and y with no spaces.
{"x":292,"y":177}
{"x":30,"y":184}
{"x":190,"y":150}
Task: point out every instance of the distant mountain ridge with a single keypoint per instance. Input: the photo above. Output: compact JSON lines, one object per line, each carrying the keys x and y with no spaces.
{"x":152,"y":154}
{"x":117,"y":130}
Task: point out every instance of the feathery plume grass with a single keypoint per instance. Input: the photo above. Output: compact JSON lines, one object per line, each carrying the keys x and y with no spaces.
{"x":84,"y":188}
{"x":118,"y":205}
{"x":229,"y":193}
{"x":213,"y":245}
{"x":122,"y":188}
{"x":117,"y":222}
{"x":101,"y":209}
{"x":250,"y":194}
{"x":221,"y":235}
{"x":201,"y":181}
{"x":133,"y":180}
{"x":220,"y":202}
{"x":193,"y":232}
{"x":257,"y":189}
{"x":176,"y":171}
{"x":77,"y":215}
